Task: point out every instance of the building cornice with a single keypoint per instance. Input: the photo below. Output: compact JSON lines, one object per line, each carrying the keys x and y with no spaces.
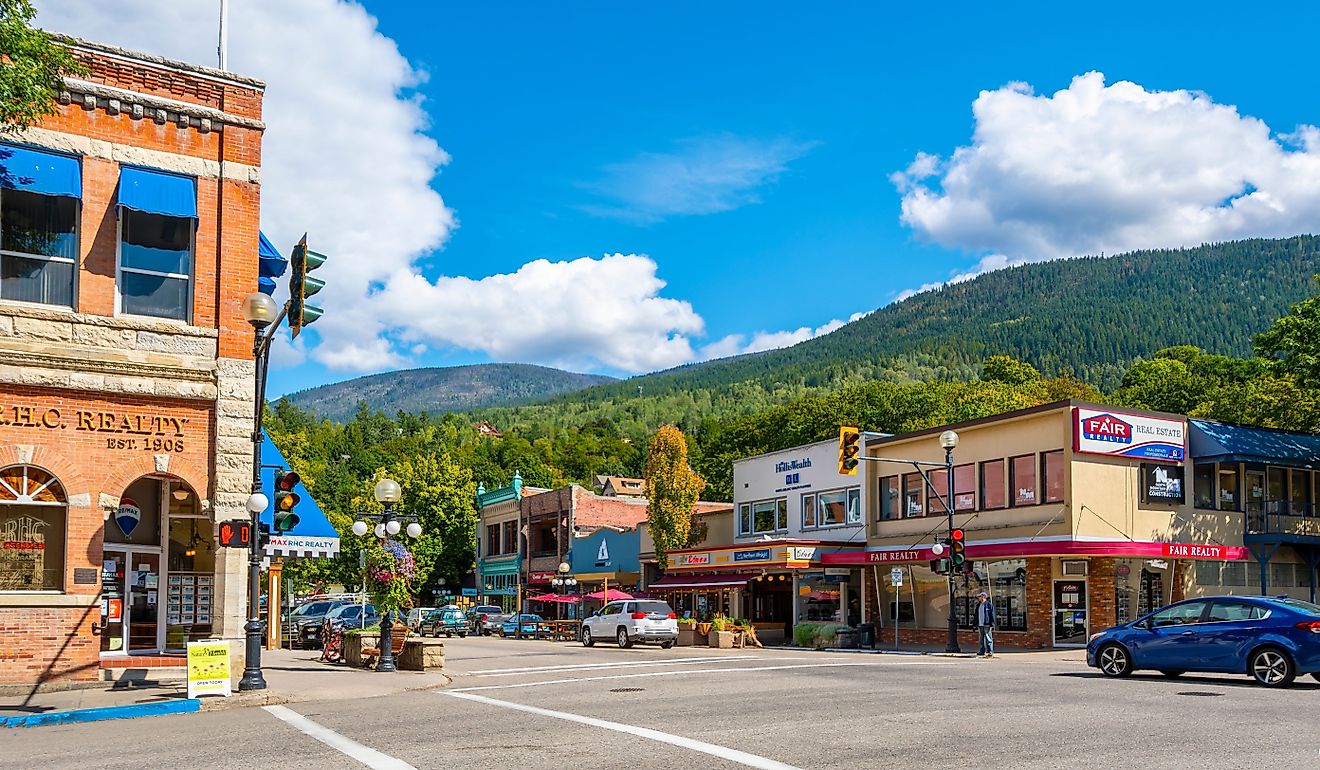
{"x":194,"y":70}
{"x":135,"y":369}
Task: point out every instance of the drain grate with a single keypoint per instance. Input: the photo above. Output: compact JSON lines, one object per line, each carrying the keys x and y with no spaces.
{"x":1201,"y":694}
{"x":628,"y":689}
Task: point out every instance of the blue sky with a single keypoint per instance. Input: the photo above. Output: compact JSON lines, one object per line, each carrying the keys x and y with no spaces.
{"x":764,"y":172}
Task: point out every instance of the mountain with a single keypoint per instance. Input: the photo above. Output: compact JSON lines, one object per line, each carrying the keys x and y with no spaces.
{"x":443,"y":389}
{"x":1089,"y":316}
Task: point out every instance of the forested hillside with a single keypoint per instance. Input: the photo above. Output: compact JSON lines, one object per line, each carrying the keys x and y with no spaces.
{"x":440,"y":390}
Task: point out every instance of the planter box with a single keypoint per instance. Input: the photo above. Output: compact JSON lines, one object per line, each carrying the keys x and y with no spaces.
{"x":353,"y":644}
{"x":721,"y":639}
{"x":421,"y":655}
{"x":687,"y":635}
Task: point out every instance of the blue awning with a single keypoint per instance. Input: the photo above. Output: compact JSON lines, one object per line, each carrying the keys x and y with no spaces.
{"x":314,"y":535}
{"x":1222,"y":442}
{"x":48,"y":173}
{"x":272,"y":265}
{"x":156,"y":192}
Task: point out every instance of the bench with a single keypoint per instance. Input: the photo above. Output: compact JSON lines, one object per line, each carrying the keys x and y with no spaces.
{"x":398,"y":638}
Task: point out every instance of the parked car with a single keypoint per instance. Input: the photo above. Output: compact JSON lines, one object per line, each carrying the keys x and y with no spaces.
{"x":306,"y":619}
{"x":486,"y":619}
{"x":529,"y":621}
{"x":1270,"y":639}
{"x":349,"y":616}
{"x":635,"y":620}
{"x":416,"y":616}
{"x":446,"y":620}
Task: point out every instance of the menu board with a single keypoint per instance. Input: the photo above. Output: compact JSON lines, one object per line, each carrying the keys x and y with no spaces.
{"x":189,"y":599}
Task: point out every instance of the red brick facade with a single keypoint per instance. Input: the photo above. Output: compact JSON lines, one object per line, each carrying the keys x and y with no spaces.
{"x":64,"y":412}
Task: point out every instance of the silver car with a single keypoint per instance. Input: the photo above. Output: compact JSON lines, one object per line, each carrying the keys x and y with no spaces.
{"x":632,"y":620}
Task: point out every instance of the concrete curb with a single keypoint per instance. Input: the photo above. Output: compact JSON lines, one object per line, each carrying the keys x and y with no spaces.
{"x":182,"y":706}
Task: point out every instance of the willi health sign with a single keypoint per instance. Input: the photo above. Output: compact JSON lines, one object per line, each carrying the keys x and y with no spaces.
{"x":1106,"y":432}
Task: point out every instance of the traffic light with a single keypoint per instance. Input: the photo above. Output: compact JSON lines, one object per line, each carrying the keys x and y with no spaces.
{"x":286,"y":500}
{"x":849,"y":438}
{"x":302,"y":286}
{"x":957,"y":548}
{"x":939,"y":566}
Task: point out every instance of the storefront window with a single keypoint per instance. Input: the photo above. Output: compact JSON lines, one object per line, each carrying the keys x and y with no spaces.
{"x":1023,"y":480}
{"x":1299,"y":493}
{"x":992,"y":485}
{"x":1228,"y":488}
{"x":1275,"y":493}
{"x":1005,"y":582}
{"x":833,"y":507}
{"x":818,"y":599}
{"x":1052,"y":464}
{"x":939,"y":482}
{"x":189,"y":594}
{"x":763,"y":516}
{"x":964,"y":488}
{"x":912,"y":497}
{"x":32,"y":530}
{"x":889,"y":509}
{"x":1203,"y":485}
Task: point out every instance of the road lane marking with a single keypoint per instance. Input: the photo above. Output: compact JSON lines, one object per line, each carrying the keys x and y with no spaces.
{"x":686,"y":672}
{"x":347,"y":746}
{"x":620,"y":664}
{"x":723,"y":752}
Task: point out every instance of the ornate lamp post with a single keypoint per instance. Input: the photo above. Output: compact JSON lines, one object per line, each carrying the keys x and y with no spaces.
{"x":949,"y":440}
{"x":261,"y":311}
{"x":562,"y":581}
{"x":387,"y":524}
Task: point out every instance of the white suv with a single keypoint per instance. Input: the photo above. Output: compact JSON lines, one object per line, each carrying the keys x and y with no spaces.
{"x":634,"y":620}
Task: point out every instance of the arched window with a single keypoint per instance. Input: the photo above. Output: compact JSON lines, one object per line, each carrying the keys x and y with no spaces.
{"x":32,"y":530}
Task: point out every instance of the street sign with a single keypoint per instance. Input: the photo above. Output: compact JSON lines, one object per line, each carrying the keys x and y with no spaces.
{"x":469,"y":592}
{"x":896,"y":576}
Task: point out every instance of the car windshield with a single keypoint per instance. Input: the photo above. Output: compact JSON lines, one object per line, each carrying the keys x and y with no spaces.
{"x":489,"y":609}
{"x":1297,"y":605}
{"x":656,"y":608}
{"x":530,"y":618}
{"x":313,"y":608}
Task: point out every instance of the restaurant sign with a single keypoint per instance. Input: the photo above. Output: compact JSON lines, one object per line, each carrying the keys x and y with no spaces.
{"x":691,"y":559}
{"x":1117,"y":434}
{"x":759,"y":554}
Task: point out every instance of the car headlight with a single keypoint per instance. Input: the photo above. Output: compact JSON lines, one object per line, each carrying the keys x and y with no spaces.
{"x":1095,"y":636}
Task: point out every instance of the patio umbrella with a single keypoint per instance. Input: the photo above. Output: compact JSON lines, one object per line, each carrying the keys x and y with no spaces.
{"x":544,"y":598}
{"x":609,"y":595}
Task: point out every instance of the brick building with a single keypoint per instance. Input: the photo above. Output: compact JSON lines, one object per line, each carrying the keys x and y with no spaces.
{"x":126,"y":377}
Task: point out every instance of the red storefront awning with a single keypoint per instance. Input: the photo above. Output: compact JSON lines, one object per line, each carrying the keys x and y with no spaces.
{"x":676,"y":582}
{"x":1049,"y":547}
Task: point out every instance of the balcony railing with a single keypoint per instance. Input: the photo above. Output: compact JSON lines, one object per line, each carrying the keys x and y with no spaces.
{"x":1282,"y":517}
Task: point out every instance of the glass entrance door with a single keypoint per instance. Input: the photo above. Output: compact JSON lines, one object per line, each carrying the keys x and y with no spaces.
{"x":130,"y":601}
{"x":1069,"y":613}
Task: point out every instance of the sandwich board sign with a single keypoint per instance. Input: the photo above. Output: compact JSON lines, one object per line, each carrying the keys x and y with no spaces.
{"x":208,"y":668}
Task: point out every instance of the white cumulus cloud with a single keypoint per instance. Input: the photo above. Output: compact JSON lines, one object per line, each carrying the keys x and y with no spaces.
{"x":700,"y":176}
{"x":738,"y":344}
{"x":1108,"y":168}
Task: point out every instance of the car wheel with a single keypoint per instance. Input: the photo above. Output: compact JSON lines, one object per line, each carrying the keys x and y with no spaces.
{"x":587,"y":641}
{"x":1114,"y":660}
{"x":1173,"y":674}
{"x":422,"y":631}
{"x":462,"y":635}
{"x":666,"y":645}
{"x":622,"y":637}
{"x":1272,"y":667}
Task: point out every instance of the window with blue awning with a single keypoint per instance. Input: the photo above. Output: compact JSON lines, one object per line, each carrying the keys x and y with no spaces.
{"x":38,"y":171}
{"x":157,"y":192}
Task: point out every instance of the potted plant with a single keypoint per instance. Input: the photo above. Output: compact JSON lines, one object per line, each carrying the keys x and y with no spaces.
{"x":390,"y":572}
{"x":687,"y":632}
{"x":721,"y":633}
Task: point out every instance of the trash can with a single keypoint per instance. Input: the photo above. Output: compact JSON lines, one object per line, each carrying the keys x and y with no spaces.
{"x":866,"y":636}
{"x":845,"y":638}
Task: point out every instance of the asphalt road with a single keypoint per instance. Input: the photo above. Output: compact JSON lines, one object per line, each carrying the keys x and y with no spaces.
{"x":533,"y":704}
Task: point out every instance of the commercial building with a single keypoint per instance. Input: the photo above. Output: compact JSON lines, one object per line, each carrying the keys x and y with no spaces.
{"x":1077,"y":517}
{"x":126,"y":374}
{"x":791,"y":509}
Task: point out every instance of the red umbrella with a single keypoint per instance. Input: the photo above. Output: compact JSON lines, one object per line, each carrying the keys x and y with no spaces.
{"x":544,"y":598}
{"x":609,"y":596}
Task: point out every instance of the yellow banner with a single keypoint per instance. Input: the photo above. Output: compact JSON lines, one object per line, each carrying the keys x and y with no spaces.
{"x":208,"y":668}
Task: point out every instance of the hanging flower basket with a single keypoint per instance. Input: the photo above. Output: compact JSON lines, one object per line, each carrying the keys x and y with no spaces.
{"x":390,"y":572}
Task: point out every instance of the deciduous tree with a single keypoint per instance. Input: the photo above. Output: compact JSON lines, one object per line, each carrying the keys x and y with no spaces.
{"x":672,"y":490}
{"x":32,"y":66}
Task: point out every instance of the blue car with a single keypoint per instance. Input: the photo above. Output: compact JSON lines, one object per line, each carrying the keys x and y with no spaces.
{"x":1270,"y":639}
{"x":529,"y":621}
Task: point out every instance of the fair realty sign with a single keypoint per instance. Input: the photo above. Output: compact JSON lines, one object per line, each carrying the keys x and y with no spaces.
{"x":1119,"y":434}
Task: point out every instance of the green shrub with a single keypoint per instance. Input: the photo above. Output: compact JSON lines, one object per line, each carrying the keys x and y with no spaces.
{"x":817,"y":635}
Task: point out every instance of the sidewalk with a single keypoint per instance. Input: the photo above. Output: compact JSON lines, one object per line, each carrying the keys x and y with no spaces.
{"x":291,"y":676}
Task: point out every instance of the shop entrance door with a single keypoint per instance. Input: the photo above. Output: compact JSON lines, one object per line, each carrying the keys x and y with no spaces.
{"x":130,"y":606}
{"x":1070,"y":613}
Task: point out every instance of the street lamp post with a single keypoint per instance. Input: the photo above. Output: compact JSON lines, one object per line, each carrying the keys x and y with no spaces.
{"x":387,"y":524}
{"x":949,"y":440}
{"x":261,"y":312}
{"x":563,"y":582}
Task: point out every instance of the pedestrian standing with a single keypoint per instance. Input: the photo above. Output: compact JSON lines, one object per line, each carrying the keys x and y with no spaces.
{"x":985,"y":624}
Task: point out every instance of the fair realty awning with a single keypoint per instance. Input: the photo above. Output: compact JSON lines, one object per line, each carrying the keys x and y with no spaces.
{"x":679,"y":582}
{"x":314,"y":536}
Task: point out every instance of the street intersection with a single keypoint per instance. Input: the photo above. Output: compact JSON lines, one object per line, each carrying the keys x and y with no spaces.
{"x":535,"y":704}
